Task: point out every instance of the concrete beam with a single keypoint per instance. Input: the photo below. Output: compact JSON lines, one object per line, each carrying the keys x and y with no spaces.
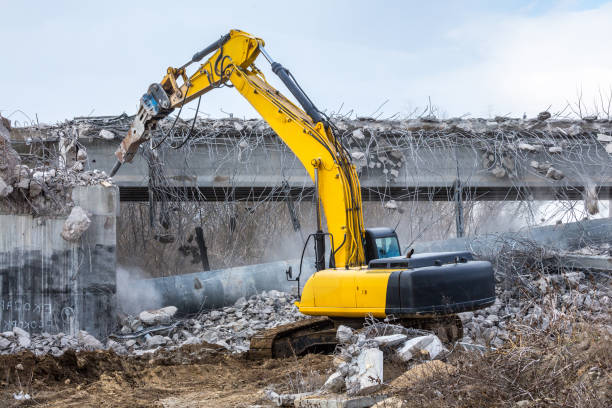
{"x":409,"y":160}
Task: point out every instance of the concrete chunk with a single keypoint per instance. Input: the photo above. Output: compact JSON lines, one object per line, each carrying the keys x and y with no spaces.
{"x":554,"y":173}
{"x":152,"y":317}
{"x":75,"y":225}
{"x":107,"y":134}
{"x":19,"y":332}
{"x":5,"y":188}
{"x":370,"y":375}
{"x":334,"y":383}
{"x":527,"y":147}
{"x":358,"y":134}
{"x":344,"y":334}
{"x":337,"y":401}
{"x":358,"y":155}
{"x":431,"y":344}
{"x":89,"y":341}
{"x":391,"y":340}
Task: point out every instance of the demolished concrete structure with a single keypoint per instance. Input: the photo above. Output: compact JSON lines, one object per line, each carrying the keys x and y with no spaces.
{"x":419,"y":158}
{"x":57,"y":247}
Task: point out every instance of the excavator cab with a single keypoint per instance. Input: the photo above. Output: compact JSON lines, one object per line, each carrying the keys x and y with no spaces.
{"x":381,"y":243}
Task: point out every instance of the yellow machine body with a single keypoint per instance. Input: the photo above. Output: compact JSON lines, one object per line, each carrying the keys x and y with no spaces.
{"x":356,"y":292}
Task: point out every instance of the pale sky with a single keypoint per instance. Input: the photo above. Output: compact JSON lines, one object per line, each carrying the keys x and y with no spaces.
{"x":60,"y":59}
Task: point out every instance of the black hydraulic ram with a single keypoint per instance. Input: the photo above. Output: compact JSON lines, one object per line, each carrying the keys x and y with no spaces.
{"x":211,"y":48}
{"x":289,"y":81}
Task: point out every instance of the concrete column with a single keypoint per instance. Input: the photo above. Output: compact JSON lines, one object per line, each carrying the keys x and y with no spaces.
{"x":51,"y":285}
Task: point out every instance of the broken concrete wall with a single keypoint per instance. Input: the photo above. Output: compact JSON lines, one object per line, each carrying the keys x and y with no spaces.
{"x":49,"y":284}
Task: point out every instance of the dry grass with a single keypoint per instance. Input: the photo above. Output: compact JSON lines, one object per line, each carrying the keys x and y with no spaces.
{"x":567,"y":366}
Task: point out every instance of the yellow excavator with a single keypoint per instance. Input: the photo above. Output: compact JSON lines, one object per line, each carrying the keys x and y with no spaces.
{"x":366,"y":275}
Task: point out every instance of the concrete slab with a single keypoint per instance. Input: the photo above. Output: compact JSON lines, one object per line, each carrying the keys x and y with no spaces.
{"x":338,"y":401}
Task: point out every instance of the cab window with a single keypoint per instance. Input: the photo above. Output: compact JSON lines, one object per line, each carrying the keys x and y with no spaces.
{"x":387,"y":247}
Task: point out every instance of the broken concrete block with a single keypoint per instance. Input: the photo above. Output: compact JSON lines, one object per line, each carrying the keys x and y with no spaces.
{"x":358,"y":155}
{"x":391,"y":205}
{"x":35,"y":188}
{"x":391,"y":340}
{"x":554,"y":174}
{"x":81,"y":154}
{"x":499,"y":172}
{"x":370,"y":375}
{"x":156,"y":340}
{"x":555,"y":149}
{"x":9,"y":158}
{"x":4,"y":343}
{"x":358,"y":134}
{"x":394,"y":173}
{"x":609,"y":148}
{"x":337,"y":401}
{"x":107,"y":134}
{"x":75,"y":225}
{"x":604,"y":138}
{"x":19,"y":332}
{"x":89,"y":342}
{"x":396,"y":154}
{"x":153,"y":317}
{"x":431,"y":344}
{"x":5,"y":188}
{"x":344,"y":334}
{"x":23,"y":183}
{"x":23,"y":337}
{"x":285,"y":400}
{"x":534,"y":164}
{"x":544,"y":115}
{"x":334,"y":383}
{"x":527,"y":147}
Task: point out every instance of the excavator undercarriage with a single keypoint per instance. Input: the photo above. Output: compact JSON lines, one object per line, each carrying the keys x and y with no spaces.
{"x":318,"y":335}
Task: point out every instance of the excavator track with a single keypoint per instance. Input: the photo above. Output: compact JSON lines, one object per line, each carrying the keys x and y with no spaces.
{"x":319,"y":335}
{"x":292,"y":339}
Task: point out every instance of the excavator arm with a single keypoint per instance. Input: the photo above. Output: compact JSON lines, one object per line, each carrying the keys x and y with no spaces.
{"x":304,"y":130}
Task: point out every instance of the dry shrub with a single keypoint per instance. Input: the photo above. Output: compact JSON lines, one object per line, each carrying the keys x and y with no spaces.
{"x":566,"y":366}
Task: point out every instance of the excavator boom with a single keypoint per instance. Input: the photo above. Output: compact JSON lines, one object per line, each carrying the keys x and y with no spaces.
{"x":304,"y":131}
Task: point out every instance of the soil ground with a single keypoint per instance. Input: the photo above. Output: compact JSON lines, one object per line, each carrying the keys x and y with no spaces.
{"x":194,"y":376}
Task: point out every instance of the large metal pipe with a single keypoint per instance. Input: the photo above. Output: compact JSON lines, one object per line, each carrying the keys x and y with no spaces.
{"x":194,"y":292}
{"x":564,"y":237}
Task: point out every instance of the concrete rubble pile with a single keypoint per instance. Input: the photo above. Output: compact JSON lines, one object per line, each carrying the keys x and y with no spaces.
{"x":17,"y":340}
{"x":359,"y":361}
{"x":230,"y":327}
{"x":361,"y":355}
{"x":45,"y":183}
{"x":584,"y":296}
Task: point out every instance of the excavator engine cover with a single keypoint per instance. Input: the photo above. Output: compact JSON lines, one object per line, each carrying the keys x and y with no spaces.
{"x":442,"y":283}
